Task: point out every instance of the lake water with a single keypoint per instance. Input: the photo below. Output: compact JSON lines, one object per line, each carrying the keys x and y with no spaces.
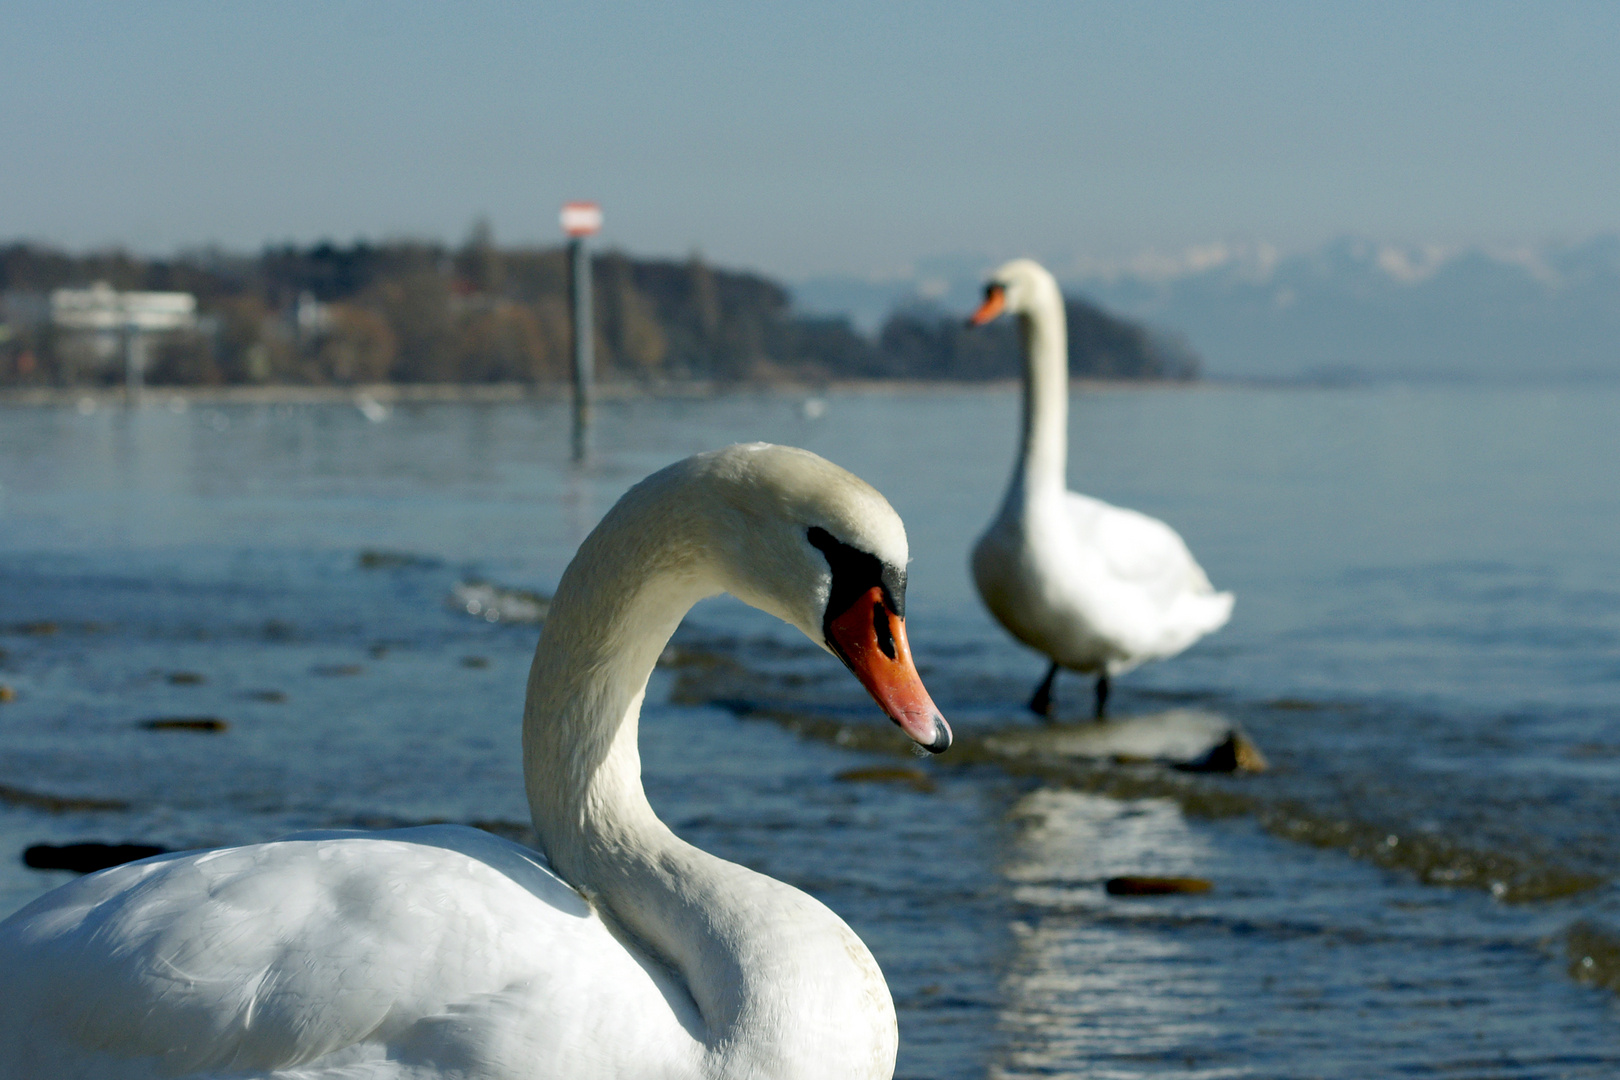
{"x":1426,"y":645}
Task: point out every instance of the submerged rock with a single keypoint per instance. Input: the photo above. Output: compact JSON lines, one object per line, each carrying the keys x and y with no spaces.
{"x":1594,"y":955}
{"x":56,"y":804}
{"x":336,"y":669}
{"x":86,"y":858}
{"x":910,"y":776}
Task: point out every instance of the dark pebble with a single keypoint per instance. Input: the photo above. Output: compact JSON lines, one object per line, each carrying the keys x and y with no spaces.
{"x":474,"y":662}
{"x":185,"y":723}
{"x":374,"y":559}
{"x":185,"y":678}
{"x":1155,"y":886}
{"x":87,"y":858}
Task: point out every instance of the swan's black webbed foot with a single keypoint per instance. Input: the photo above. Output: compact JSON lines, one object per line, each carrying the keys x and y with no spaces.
{"x":1041,"y":703}
{"x":1102,"y":695}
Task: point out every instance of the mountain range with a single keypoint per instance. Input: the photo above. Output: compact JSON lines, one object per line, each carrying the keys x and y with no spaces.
{"x":1349,"y":310}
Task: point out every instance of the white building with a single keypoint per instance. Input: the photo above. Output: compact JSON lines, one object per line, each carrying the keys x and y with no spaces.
{"x":101,"y":323}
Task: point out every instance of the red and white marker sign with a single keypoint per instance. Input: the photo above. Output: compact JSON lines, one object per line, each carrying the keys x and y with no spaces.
{"x":581,"y":218}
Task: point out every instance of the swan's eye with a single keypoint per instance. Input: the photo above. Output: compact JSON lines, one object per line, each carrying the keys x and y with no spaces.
{"x":856,"y":573}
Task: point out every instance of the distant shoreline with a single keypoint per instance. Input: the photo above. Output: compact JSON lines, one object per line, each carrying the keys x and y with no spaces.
{"x":496,"y":393}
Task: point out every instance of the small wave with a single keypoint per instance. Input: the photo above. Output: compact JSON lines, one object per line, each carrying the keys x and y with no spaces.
{"x":493,"y":603}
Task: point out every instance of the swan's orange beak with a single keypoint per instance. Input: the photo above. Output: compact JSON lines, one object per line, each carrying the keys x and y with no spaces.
{"x":871,"y":640}
{"x":995,"y":301}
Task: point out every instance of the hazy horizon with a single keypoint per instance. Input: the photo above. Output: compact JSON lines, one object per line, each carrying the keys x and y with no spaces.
{"x":847,"y":140}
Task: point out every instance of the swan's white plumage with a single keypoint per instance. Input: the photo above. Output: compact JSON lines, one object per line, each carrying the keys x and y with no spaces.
{"x":423,"y":951}
{"x":438,"y":952}
{"x":1096,"y":587}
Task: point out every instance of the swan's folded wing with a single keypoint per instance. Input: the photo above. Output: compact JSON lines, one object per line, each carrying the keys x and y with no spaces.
{"x":271,"y":956}
{"x":1137,"y":549}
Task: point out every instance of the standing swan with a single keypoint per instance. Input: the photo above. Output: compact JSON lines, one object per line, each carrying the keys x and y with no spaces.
{"x":437,"y":952}
{"x":1097,"y":588}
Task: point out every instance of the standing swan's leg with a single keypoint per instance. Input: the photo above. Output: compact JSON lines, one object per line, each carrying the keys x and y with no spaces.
{"x":1102,"y":695}
{"x":1041,"y":703}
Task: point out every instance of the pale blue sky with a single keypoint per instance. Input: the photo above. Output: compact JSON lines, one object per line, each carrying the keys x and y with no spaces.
{"x":811,"y":138}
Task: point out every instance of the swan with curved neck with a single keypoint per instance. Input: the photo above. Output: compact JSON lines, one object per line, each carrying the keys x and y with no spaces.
{"x":1097,"y":588}
{"x":621,"y":951}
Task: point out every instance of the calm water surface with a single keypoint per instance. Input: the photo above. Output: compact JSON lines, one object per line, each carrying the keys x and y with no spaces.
{"x":1426,"y":645}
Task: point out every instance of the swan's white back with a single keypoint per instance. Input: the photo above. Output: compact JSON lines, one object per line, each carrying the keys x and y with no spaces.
{"x":433,"y":951}
{"x":1096,"y":587}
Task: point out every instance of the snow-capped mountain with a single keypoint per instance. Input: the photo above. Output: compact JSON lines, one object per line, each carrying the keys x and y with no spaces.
{"x":1349,"y":309}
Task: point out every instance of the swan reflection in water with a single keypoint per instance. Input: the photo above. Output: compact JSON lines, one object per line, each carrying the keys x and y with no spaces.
{"x":1089,"y":991}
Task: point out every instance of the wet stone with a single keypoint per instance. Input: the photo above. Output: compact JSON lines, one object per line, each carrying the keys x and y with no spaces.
{"x":7,"y":694}
{"x":474,"y":662}
{"x":1236,"y":753}
{"x":185,"y":678}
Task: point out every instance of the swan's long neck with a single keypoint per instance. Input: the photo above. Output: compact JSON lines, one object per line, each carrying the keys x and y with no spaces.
{"x":741,"y":942}
{"x":1044,"y":450}
{"x":615,"y":608}
{"x":614,"y":611}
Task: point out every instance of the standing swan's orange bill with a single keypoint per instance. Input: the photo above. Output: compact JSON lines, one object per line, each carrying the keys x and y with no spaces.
{"x":995,"y":301}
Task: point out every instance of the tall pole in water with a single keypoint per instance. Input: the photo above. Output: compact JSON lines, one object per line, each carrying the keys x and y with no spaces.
{"x":580,"y":220}
{"x":579,"y":293}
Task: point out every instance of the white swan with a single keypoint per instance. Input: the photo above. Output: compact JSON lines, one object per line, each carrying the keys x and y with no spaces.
{"x":1099,"y":589}
{"x":446,"y":952}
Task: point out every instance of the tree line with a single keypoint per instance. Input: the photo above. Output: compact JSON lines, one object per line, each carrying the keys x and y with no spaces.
{"x":406,"y":311}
